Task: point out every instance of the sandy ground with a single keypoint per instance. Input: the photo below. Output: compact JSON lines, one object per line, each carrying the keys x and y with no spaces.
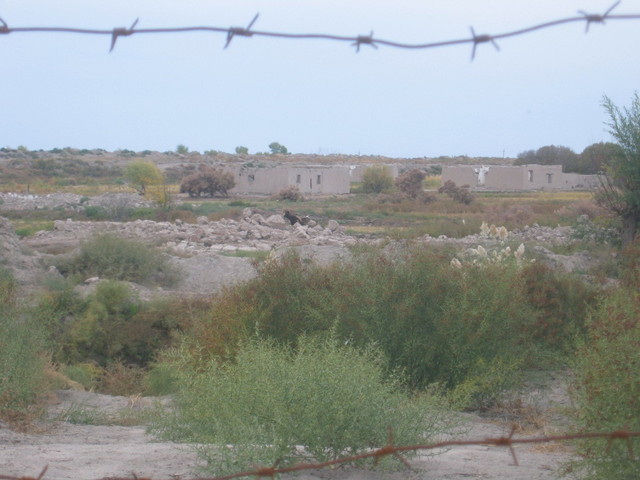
{"x":72,"y":451}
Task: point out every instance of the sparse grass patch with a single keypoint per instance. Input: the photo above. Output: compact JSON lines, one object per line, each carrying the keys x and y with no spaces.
{"x":80,"y":414}
{"x":258,"y":255}
{"x":116,"y":258}
{"x":28,"y":228}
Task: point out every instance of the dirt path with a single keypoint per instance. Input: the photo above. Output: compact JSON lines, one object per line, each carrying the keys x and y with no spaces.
{"x":73,"y":451}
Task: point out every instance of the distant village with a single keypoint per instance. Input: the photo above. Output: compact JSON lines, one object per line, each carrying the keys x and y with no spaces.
{"x":337,"y":179}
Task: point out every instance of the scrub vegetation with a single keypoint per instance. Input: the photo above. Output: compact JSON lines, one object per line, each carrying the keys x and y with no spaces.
{"x":320,"y":360}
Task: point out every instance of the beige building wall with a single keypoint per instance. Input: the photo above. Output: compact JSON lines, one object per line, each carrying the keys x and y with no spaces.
{"x":577,"y":181}
{"x":506,"y":178}
{"x":460,"y":175}
{"x":309,"y":180}
{"x":320,"y":179}
{"x":517,"y":177}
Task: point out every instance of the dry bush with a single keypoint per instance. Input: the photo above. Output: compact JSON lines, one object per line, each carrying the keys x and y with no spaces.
{"x":400,"y":202}
{"x":120,"y":379}
{"x":207,"y":182}
{"x":525,"y":418}
{"x":410,"y":183}
{"x":232,"y":213}
{"x":290,"y":193}
{"x":582,"y":207}
{"x":459,"y":194}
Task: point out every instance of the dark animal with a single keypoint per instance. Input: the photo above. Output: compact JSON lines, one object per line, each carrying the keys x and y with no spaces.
{"x":293,"y":218}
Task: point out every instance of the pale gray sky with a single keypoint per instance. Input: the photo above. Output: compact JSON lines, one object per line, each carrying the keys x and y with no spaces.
{"x":314,"y":96}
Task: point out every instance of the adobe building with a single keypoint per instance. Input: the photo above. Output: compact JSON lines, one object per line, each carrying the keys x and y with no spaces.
{"x":517,"y":177}
{"x":310,"y":180}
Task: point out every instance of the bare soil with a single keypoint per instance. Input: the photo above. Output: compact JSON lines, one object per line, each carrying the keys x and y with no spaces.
{"x":73,"y":451}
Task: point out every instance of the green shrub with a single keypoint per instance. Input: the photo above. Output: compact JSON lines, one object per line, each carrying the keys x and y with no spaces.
{"x":114,"y":326}
{"x":561,"y":303}
{"x":55,"y":305}
{"x":94,"y":212}
{"x":160,"y":380}
{"x":607,"y":386}
{"x":376,"y":179}
{"x":436,"y":323}
{"x":447,"y":325}
{"x":86,"y":374}
{"x":330,"y":400}
{"x":98,"y":333}
{"x":115,"y":258}
{"x":22,"y":362}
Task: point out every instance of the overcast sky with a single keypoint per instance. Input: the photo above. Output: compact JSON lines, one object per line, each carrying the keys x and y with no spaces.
{"x":314,"y":96}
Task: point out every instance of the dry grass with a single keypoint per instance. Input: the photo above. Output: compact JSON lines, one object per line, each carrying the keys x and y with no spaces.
{"x":524,"y":417}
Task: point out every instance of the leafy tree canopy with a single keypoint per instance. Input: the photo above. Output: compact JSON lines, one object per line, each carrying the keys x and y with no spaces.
{"x":143,"y":174}
{"x":276,"y":148}
{"x":619,"y":190}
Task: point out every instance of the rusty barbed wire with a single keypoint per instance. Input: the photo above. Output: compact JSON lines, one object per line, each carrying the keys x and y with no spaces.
{"x":396,"y":451}
{"x":355,"y":41}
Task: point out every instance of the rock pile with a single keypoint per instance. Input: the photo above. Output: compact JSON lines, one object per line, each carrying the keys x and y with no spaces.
{"x":70,"y":201}
{"x":253,"y":233}
{"x":529,"y":234}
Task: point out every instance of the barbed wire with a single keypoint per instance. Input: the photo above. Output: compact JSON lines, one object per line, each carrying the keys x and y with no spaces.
{"x":355,"y":41}
{"x":392,"y":450}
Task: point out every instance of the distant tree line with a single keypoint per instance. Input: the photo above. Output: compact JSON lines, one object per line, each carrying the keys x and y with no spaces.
{"x":592,"y":160}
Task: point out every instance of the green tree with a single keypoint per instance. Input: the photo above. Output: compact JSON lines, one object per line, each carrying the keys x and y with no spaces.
{"x":619,"y":190}
{"x":276,"y":148}
{"x":182,"y":149}
{"x":376,"y":179}
{"x":141,"y":175}
{"x":550,"y":155}
{"x":594,"y":158}
{"x":240,"y":150}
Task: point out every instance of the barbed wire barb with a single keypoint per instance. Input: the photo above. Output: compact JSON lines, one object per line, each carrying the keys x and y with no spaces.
{"x":4,"y":28}
{"x":121,"y":32}
{"x":621,"y":435}
{"x":506,"y":442}
{"x":596,"y":18}
{"x":364,"y":40}
{"x":244,"y":32}
{"x":477,"y":39}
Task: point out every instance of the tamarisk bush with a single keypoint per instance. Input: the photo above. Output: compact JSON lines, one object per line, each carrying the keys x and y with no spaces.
{"x":274,"y":404}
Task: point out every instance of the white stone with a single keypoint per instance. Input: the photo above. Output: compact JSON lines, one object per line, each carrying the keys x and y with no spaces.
{"x":333,"y":225}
